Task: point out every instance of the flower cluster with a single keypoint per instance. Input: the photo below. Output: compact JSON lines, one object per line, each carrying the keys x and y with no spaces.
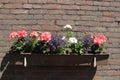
{"x":28,"y":43}
{"x":94,"y":44}
{"x":19,"y":34}
{"x":46,"y":43}
{"x":100,"y":39}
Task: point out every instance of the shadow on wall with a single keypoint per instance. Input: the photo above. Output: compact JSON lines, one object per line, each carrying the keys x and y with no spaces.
{"x":10,"y":71}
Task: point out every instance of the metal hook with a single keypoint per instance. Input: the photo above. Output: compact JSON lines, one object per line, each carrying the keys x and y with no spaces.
{"x":94,"y":63}
{"x":25,"y":62}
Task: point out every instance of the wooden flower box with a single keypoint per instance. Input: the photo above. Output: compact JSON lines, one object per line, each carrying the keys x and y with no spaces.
{"x":58,"y":60}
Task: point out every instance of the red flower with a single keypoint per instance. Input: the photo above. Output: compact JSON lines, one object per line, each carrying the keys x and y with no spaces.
{"x":100,"y":39}
{"x":13,"y":35}
{"x":45,"y":36}
{"x":33,"y":34}
{"x":22,"y":33}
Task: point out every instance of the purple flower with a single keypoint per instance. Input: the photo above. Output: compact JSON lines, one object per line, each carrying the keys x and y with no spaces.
{"x":87,"y":43}
{"x":56,"y":43}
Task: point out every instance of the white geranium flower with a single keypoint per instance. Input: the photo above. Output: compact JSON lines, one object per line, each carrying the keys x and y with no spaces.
{"x":68,"y":26}
{"x":63,"y":37}
{"x":72,"y":40}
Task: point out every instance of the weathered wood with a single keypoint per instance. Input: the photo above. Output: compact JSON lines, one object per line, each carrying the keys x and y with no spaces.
{"x":58,"y":60}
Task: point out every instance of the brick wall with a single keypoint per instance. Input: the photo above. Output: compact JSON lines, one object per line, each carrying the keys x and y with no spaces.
{"x":86,"y":16}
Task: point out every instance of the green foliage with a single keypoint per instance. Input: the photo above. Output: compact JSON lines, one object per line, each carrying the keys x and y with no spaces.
{"x":41,"y":47}
{"x":70,"y":34}
{"x":25,"y":45}
{"x":17,"y":46}
{"x":63,"y":50}
{"x":29,"y":45}
{"x":76,"y":48}
{"x":96,"y":48}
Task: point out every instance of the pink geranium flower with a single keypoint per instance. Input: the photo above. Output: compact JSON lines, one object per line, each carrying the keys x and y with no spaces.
{"x":100,"y":39}
{"x":46,"y":36}
{"x":22,"y":33}
{"x":33,"y":34}
{"x":13,"y":35}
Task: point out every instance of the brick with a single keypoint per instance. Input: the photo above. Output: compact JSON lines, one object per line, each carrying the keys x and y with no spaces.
{"x":113,"y":35}
{"x":81,"y":28}
{"x":108,"y":24}
{"x":4,"y":49}
{"x":65,"y":1}
{"x":38,"y":17}
{"x":4,"y":44}
{"x":117,"y":19}
{"x":1,"y":5}
{"x":103,"y":8}
{"x":18,"y":1}
{"x":88,"y":8}
{"x":70,"y":17}
{"x":6,"y":16}
{"x":51,"y":1}
{"x":111,"y":14}
{"x":4,"y":1}
{"x":21,"y":27}
{"x":50,"y":28}
{"x":89,"y":18}
{"x":103,"y":67}
{"x":88,"y":23}
{"x":19,"y":11}
{"x":100,"y":3}
{"x":106,"y":19}
{"x":79,"y":2}
{"x":81,"y":34}
{"x":109,"y":0}
{"x":111,"y":78}
{"x":115,"y":67}
{"x":1,"y":57}
{"x":98,"y":78}
{"x":51,"y":6}
{"x":37,"y":1}
{"x":108,"y":73}
{"x":43,"y":22}
{"x":93,"y":13}
{"x":38,"y":12}
{"x":114,"y":29}
{"x":112,"y":45}
{"x":36,"y":6}
{"x":36,"y":27}
{"x":6,"y":32}
{"x":114,"y":50}
{"x":13,"y":6}
{"x":70,"y":7}
{"x":56,"y":12}
{"x":71,"y":12}
{"x":114,"y":73}
{"x":27,"y":6}
{"x":98,"y":29}
{"x":10,"y":22}
{"x":117,"y":9}
{"x":114,"y":40}
{"x":50,"y":17}
{"x":24,"y":17}
{"x":108,"y":9}
{"x":5,"y":27}
{"x":64,"y":22}
{"x":117,"y":4}
{"x":115,"y":56}
{"x":4,"y":11}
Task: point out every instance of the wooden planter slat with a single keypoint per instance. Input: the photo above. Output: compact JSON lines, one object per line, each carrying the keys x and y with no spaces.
{"x":58,"y":60}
